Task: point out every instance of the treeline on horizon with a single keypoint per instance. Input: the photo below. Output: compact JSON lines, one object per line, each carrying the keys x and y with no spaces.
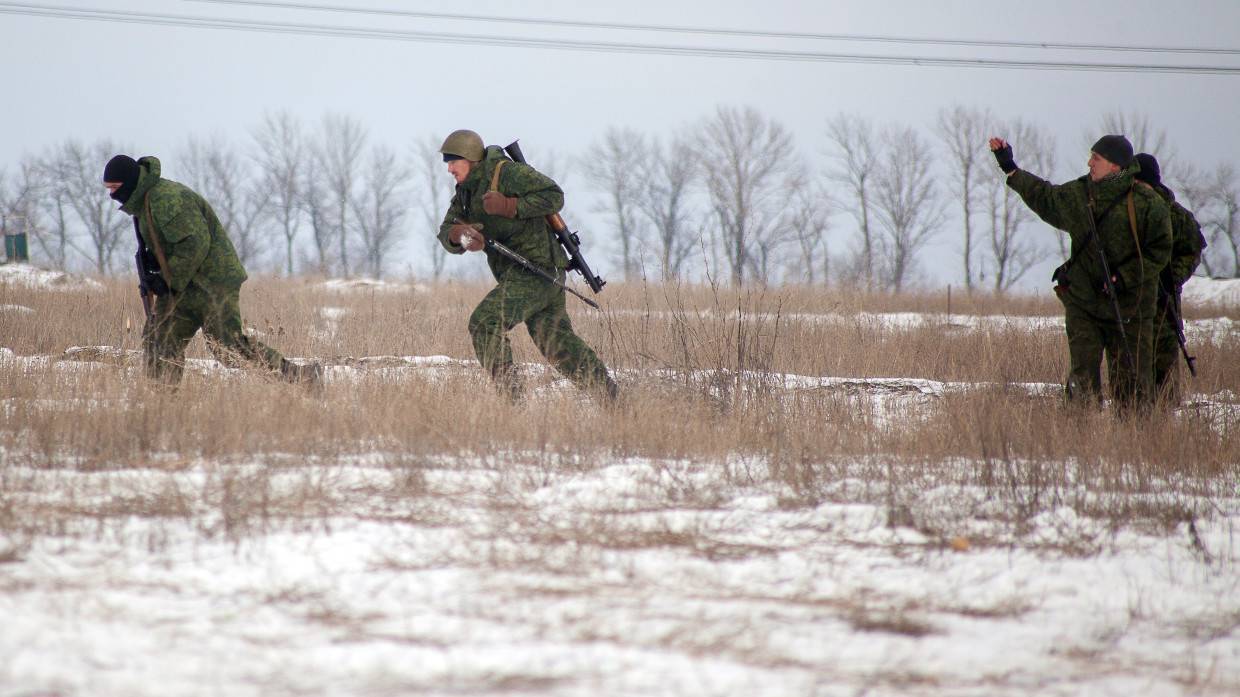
{"x":734,"y":195}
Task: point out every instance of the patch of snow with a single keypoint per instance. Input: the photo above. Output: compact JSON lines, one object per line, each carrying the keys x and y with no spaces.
{"x":352,"y":285}
{"x":17,"y":309}
{"x":1221,"y":291}
{"x":32,"y":277}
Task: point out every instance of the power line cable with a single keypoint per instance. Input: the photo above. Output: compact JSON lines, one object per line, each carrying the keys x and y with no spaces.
{"x":715,"y":31}
{"x":132,"y":17}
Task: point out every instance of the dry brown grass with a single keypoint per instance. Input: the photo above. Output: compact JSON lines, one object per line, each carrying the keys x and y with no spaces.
{"x":681,"y":354}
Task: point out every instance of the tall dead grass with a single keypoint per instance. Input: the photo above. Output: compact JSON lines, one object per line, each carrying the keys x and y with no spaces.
{"x":698,"y":366}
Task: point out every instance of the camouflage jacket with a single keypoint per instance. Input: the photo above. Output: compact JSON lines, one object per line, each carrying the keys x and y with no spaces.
{"x":1187,"y":242}
{"x":193,"y":241}
{"x":528,"y":234}
{"x":1136,"y":258}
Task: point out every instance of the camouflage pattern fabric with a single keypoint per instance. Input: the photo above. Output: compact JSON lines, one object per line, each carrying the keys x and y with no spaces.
{"x":1090,"y":338}
{"x":528,"y":234}
{"x":203,"y":272}
{"x":1187,"y":245}
{"x":523,"y":297}
{"x":194,"y":242}
{"x":178,"y":317}
{"x":1137,"y":260}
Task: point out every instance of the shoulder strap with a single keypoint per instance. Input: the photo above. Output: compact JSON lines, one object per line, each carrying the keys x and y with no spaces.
{"x":1132,"y":225}
{"x":154,"y":235}
{"x":495,"y":175}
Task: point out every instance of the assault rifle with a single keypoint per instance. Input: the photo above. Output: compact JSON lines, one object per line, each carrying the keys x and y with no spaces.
{"x":148,"y":270}
{"x":1177,"y":321}
{"x":1109,"y":285}
{"x":567,"y":238}
{"x":505,"y":250}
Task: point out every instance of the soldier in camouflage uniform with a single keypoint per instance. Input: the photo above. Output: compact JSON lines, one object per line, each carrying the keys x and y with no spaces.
{"x":508,"y":202}
{"x":1187,"y":244}
{"x":1133,"y":226}
{"x":199,"y":276}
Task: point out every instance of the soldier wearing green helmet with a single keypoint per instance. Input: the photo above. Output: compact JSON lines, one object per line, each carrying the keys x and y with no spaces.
{"x":508,"y":202}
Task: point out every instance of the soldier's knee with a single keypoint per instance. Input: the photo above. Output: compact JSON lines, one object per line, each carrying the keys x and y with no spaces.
{"x":482,"y":323}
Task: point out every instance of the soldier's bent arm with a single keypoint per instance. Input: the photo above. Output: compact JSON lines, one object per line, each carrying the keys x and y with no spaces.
{"x":455,"y":213}
{"x":187,"y":239}
{"x":537,"y":194}
{"x":1050,"y":202}
{"x":1187,"y":246}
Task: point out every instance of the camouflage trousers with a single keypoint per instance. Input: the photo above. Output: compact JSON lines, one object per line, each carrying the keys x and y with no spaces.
{"x":218,"y":314}
{"x":1167,"y":359}
{"x":523,"y":297}
{"x":1130,"y":364}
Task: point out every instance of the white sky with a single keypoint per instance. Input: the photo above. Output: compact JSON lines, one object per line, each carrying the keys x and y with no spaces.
{"x":153,"y":86}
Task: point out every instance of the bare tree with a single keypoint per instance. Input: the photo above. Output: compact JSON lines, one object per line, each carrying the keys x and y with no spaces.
{"x":435,"y":184}
{"x":754,"y":162}
{"x":379,"y":208}
{"x":668,"y":175}
{"x":1008,"y":255}
{"x":1222,"y":218}
{"x":856,"y":151}
{"x":313,"y":200}
{"x":282,"y":157}
{"x":613,"y":166}
{"x":19,"y":210}
{"x":963,"y":132}
{"x":74,"y":170}
{"x":806,"y":222}
{"x":338,"y":157}
{"x":226,"y":180}
{"x":907,"y":204}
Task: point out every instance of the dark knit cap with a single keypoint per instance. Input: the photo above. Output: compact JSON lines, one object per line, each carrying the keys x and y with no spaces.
{"x":121,"y":169}
{"x":1149,"y":173}
{"x":448,"y":158}
{"x":124,"y":170}
{"x":1115,"y":149}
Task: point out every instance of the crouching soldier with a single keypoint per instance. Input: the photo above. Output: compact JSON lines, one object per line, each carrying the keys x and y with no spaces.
{"x":508,"y":202}
{"x":196,"y":279}
{"x":1121,"y":241}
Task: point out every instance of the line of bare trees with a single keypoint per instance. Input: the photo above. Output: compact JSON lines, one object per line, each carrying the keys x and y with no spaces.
{"x":734,"y":195}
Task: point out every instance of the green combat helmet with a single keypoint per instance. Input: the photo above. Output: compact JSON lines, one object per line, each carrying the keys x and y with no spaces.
{"x":463,"y":143}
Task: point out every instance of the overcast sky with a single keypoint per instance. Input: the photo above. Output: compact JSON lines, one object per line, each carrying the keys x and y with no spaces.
{"x":152,"y":86}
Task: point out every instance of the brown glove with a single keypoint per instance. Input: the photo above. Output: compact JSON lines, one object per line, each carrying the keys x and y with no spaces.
{"x":469,"y":234}
{"x":495,"y":203}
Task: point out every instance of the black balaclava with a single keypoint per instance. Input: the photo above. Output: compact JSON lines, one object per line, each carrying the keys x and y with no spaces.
{"x":123,"y":169}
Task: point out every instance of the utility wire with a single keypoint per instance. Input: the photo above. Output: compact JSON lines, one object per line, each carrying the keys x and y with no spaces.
{"x":712,"y":31}
{"x":131,"y":17}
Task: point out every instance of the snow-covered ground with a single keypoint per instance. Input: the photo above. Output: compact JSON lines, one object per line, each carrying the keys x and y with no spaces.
{"x":1221,"y":291}
{"x":639,"y":577}
{"x":539,"y":574}
{"x":32,"y":277}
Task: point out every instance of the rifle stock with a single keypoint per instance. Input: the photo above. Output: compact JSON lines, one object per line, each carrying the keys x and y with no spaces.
{"x":567,"y":238}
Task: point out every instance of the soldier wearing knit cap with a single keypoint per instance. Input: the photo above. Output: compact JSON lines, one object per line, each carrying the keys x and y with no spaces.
{"x":1103,"y":212}
{"x":1187,"y":244}
{"x":198,"y":275}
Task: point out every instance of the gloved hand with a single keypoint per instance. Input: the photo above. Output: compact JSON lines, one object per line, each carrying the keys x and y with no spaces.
{"x":495,"y":203}
{"x":1003,"y":155}
{"x":156,"y":284}
{"x":467,"y":236}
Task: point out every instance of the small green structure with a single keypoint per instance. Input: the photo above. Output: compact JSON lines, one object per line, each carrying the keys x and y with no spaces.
{"x":15,"y":249}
